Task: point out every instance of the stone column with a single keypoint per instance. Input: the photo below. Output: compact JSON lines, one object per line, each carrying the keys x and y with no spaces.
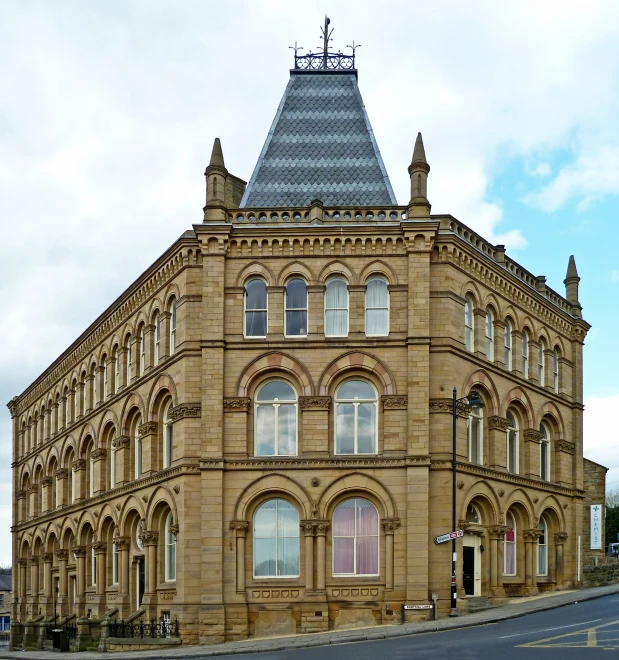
{"x":149,"y":338}
{"x":62,"y":480}
{"x":532,"y":441}
{"x":33,"y":492}
{"x":549,"y":358}
{"x":20,"y":500}
{"x":164,"y":340}
{"x":499,"y":343}
{"x":100,"y":548}
{"x":322,"y":527}
{"x":530,"y":543}
{"x":308,"y":530}
{"x":496,"y":534}
{"x":63,"y":591}
{"x":48,"y":558}
{"x":150,"y":540}
{"x":275,"y":327}
{"x":356,"y":309}
{"x":316,"y":311}
{"x":123,"y":544}
{"x":50,"y":426}
{"x":78,"y":397}
{"x":80,"y":559}
{"x":46,"y":494}
{"x":122,"y":446}
{"x":389,"y":527}
{"x":121,"y":356}
{"x":98,"y":457}
{"x":22,"y":566}
{"x":559,"y":538}
{"x":79,"y":475}
{"x":533,"y":368}
{"x":517,"y":352}
{"x":100,"y":394}
{"x":34,"y":575}
{"x":240,"y":527}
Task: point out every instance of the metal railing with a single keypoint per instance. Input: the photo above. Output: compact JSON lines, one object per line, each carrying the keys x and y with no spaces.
{"x":163,"y":628}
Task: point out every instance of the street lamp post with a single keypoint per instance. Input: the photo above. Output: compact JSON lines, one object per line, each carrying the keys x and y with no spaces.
{"x":475,"y":401}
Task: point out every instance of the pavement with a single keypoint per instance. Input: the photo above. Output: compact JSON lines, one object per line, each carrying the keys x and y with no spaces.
{"x":513,"y":610}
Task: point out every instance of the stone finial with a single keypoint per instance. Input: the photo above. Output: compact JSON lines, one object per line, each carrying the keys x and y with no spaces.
{"x":216,"y":175}
{"x":571,"y":286}
{"x":217,"y":156}
{"x":419,"y":206}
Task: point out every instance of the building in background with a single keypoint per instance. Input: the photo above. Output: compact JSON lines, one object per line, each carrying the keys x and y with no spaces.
{"x":5,"y":600}
{"x":255,"y":438}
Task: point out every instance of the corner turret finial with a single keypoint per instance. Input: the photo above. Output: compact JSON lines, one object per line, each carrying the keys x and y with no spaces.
{"x":217,"y":155}
{"x":216,"y":176}
{"x":419,"y":206}
{"x":571,"y":286}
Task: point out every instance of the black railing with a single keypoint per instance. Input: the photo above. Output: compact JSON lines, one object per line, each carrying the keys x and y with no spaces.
{"x":332,"y":61}
{"x":5,"y":637}
{"x":71,"y":630}
{"x":163,"y":628}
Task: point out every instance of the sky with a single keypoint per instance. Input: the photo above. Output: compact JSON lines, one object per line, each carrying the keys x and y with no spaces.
{"x":108,"y":111}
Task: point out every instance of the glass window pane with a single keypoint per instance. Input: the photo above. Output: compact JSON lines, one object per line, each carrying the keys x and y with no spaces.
{"x":276,"y":389}
{"x":336,"y":323}
{"x":367,"y":518}
{"x":366,"y":429}
{"x":256,"y":324}
{"x":287,"y":519}
{"x":296,"y":323}
{"x":265,"y":520}
{"x":256,"y":295}
{"x":344,"y":519}
{"x":287,"y":430}
{"x":356,"y":389}
{"x":337,"y":294}
{"x":264,"y":557}
{"x":343,"y":555}
{"x":377,"y":322}
{"x":288,"y":555}
{"x":265,"y":430}
{"x":367,"y":555}
{"x":376,"y":295}
{"x":296,"y":295}
{"x":345,"y":429}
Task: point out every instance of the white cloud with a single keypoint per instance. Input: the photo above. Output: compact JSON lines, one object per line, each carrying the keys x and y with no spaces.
{"x":601,"y":441}
{"x":541,"y":170}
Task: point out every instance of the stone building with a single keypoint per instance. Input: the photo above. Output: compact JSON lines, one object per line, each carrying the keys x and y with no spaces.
{"x":256,"y":436}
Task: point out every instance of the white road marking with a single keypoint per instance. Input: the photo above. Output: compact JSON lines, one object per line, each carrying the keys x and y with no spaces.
{"x":535,"y":632}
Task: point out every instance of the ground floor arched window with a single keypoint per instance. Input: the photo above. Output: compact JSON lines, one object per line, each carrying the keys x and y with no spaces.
{"x":276,"y":540}
{"x":542,"y":548}
{"x":170,"y":550}
{"x":355,"y":538}
{"x":509,"y":547}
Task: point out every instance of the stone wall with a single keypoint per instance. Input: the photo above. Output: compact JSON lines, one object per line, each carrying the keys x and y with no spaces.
{"x":597,"y":576}
{"x":594,"y":483}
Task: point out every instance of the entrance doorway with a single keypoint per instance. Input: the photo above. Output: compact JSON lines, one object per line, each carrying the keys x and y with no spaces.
{"x":471,"y":565}
{"x":140,"y":580}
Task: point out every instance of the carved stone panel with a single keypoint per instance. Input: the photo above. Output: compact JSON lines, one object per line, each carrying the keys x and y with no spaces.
{"x":314,"y":402}
{"x":394,"y":401}
{"x":237,"y":404}
{"x":185,"y":410}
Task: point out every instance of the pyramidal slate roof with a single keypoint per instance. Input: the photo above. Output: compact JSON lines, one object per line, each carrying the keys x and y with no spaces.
{"x":320,"y":146}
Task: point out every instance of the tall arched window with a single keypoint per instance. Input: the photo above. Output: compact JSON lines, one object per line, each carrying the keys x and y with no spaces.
{"x":113,"y":466}
{"x":84,"y":392}
{"x":512,"y":442}
{"x":137,"y":448}
{"x":336,"y":308}
{"x":157,"y":324}
{"x":93,"y":380}
{"x":468,"y":323}
{"x":116,"y":363}
{"x":129,"y":359}
{"x":167,"y":435}
{"x":296,"y":308}
{"x":256,"y":308}
{"x":476,"y":436}
{"x":525,"y":354}
{"x":93,"y":565}
{"x":542,"y":548}
{"x":172,"y":310}
{"x":555,"y":370}
{"x":473,"y":515}
{"x":377,"y":308}
{"x":142,"y":351}
{"x":544,"y":448}
{"x":106,"y":384}
{"x":541,"y":371}
{"x":356,"y":418}
{"x":507,"y":335}
{"x":489,"y":335}
{"x":276,"y":540}
{"x":170,"y":550}
{"x":91,"y":474}
{"x":114,"y":563}
{"x":276,"y":420}
{"x":509,"y":546}
{"x":355,"y":538}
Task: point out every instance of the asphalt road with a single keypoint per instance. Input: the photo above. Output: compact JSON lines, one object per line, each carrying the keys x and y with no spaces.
{"x":582,"y":630}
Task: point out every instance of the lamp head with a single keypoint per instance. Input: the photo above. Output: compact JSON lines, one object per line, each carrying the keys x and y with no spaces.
{"x":474,"y":400}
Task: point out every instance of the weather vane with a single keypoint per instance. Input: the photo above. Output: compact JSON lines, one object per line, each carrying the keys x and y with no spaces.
{"x":324,"y":60}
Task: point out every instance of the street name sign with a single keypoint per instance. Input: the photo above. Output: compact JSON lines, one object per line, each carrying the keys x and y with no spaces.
{"x":418,"y":607}
{"x":448,"y":537}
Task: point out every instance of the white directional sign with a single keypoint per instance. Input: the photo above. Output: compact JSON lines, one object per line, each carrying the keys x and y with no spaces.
{"x":418,"y":607}
{"x":596,"y":527}
{"x":448,"y":537}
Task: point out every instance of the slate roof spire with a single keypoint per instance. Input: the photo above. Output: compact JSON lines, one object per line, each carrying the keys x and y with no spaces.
{"x":321,"y":145}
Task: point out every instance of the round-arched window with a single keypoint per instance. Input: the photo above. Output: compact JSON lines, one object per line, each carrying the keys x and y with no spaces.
{"x":296,"y":308}
{"x":355,"y":538}
{"x":336,"y":308}
{"x":512,"y":442}
{"x":276,"y":540}
{"x":509,"y":546}
{"x":473,"y":515}
{"x":256,"y":308}
{"x":276,"y":420}
{"x":377,"y":308}
{"x":542,"y":548}
{"x":544,"y":449}
{"x":356,"y":418}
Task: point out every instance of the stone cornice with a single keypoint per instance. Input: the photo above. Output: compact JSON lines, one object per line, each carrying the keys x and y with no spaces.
{"x":314,"y":402}
{"x":394,"y":401}
{"x":565,"y":446}
{"x":237,"y":404}
{"x":312,"y":463}
{"x":183,"y":410}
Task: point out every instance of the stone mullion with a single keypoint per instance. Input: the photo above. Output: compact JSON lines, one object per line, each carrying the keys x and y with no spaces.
{"x":499,"y":343}
{"x":79,"y":551}
{"x":517,"y":352}
{"x":62,"y":556}
{"x":275,"y":316}
{"x":316,"y":311}
{"x":356,"y":309}
{"x":549,"y":369}
{"x":46,"y":492}
{"x":149,"y":355}
{"x":533,"y":362}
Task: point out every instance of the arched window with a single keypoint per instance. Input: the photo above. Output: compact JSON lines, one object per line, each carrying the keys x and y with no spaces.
{"x":84,"y":392}
{"x":142,"y":351}
{"x":106,"y":387}
{"x":276,"y":540}
{"x":93,"y":380}
{"x":555,"y":371}
{"x":172,"y":310}
{"x":170,"y":550}
{"x":509,"y":546}
{"x":356,"y":418}
{"x":113,"y":466}
{"x":512,"y":442}
{"x":91,"y":473}
{"x":355,"y":538}
{"x":167,"y":435}
{"x":93,"y":562}
{"x":157,"y":324}
{"x":544,"y":448}
{"x":377,"y":308}
{"x":489,"y":335}
{"x":476,"y":436}
{"x":542,"y":548}
{"x":525,"y":354}
{"x":468,"y":323}
{"x":114,"y":563}
{"x":336,"y":308}
{"x":276,"y":420}
{"x":256,"y":308}
{"x":507,"y":335}
{"x":129,"y":358}
{"x":541,"y":372}
{"x":473,"y":515}
{"x":296,"y":308}
{"x":137,"y":447}
{"x":116,"y":363}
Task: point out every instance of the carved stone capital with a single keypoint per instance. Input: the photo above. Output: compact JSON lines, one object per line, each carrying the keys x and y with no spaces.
{"x":497,"y":531}
{"x":239,"y":526}
{"x":47,"y":557}
{"x":532,"y":435}
{"x":99,"y":546}
{"x":79,"y":550}
{"x":33,"y":559}
{"x":21,"y":495}
{"x":185,"y":410}
{"x":121,"y":442}
{"x":394,"y":401}
{"x":389,"y":525}
{"x":496,"y":422}
{"x":237,"y":403}
{"x":98,"y":454}
{"x":446,"y":406}
{"x":173,"y":529}
{"x":147,"y":429}
{"x":62,"y":473}
{"x":122,"y":542}
{"x":22,"y":562}
{"x":308,"y":527}
{"x":532,"y":535}
{"x":78,"y":464}
{"x":560,"y":537}
{"x":322,"y":527}
{"x":62,"y":555}
{"x":565,"y":446}
{"x":33,"y":488}
{"x":314,"y":402}
{"x":47,"y":481}
{"x":149,"y":537}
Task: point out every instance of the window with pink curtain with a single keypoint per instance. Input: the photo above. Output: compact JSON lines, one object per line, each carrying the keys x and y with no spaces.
{"x":509,"y":547}
{"x":355,"y":538}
